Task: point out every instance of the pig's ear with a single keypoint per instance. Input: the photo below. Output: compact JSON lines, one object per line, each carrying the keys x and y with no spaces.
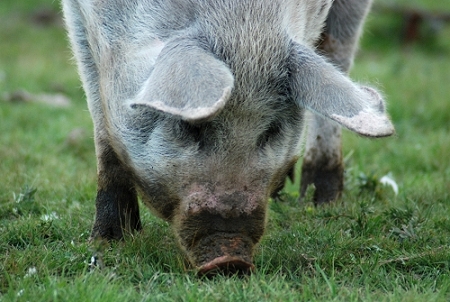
{"x":187,"y":81}
{"x":320,"y":87}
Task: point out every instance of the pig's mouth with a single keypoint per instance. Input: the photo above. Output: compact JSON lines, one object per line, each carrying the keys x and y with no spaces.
{"x":225,"y":254}
{"x":227,"y":266}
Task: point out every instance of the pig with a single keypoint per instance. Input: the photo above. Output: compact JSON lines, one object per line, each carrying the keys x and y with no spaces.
{"x":198,"y":108}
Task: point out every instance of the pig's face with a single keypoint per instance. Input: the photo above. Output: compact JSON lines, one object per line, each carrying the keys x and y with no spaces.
{"x":212,"y":179}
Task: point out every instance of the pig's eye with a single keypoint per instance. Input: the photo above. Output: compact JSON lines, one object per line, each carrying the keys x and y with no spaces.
{"x":189,"y":133}
{"x":271,"y":134}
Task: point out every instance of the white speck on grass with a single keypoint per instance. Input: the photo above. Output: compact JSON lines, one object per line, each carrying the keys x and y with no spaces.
{"x":49,"y":217}
{"x":387,"y":180}
{"x":31,"y":271}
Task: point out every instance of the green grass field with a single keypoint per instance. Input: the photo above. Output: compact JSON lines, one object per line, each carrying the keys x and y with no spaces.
{"x":372,"y":245}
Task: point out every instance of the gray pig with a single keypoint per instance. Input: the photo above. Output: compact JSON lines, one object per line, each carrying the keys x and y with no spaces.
{"x":199,"y":106}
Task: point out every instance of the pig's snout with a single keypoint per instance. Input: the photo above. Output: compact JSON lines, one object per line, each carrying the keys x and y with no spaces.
{"x":219,"y":231}
{"x":225,"y":254}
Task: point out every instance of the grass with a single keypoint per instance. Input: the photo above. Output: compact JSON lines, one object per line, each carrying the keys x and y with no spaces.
{"x":372,"y":245}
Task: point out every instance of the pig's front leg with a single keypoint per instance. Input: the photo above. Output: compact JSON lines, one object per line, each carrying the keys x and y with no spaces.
{"x":322,"y":164}
{"x":117,"y":209}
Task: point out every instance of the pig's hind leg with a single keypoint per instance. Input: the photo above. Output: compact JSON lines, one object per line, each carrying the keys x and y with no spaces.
{"x":322,"y":163}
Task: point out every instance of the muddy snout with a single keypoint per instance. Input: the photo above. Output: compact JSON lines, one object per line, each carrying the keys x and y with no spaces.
{"x":225,"y":254}
{"x":219,"y":231}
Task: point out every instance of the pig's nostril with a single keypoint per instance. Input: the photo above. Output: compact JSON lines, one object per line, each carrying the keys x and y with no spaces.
{"x":226,"y":266}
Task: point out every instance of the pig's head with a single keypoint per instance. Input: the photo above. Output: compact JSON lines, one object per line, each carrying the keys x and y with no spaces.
{"x":216,"y":128}
{"x":216,"y":150}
